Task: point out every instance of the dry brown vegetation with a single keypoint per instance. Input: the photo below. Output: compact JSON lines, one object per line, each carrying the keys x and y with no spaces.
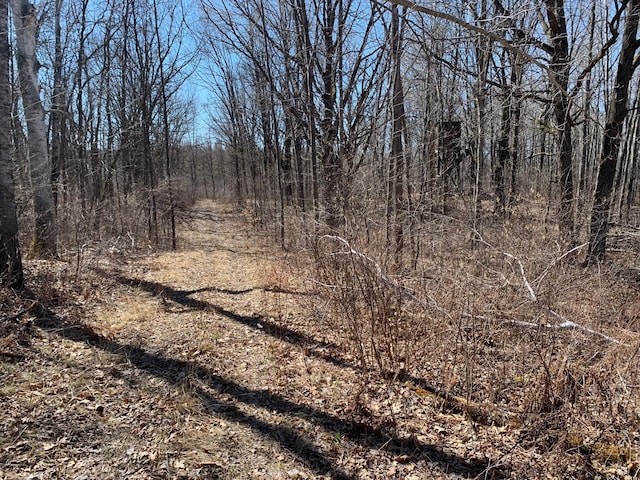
{"x":232,"y":359}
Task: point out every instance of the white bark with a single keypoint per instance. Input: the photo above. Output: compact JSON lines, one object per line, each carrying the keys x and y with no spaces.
{"x":25,"y":21}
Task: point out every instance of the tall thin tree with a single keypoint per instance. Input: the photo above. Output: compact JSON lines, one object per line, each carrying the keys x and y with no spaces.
{"x":10,"y":259}
{"x":616,"y":114}
{"x":397,"y":161}
{"x":26,"y":23}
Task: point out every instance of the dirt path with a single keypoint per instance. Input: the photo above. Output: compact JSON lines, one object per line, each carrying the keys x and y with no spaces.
{"x":209,"y":362}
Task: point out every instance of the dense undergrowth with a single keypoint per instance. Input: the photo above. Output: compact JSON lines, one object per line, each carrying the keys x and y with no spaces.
{"x":500,"y":321}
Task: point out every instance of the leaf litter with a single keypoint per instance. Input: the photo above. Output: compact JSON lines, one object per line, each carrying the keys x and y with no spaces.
{"x":211,"y":362}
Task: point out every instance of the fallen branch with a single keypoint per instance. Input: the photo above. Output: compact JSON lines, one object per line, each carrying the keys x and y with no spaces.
{"x":527,"y":285}
{"x":479,"y":412}
{"x":565,"y":324}
{"x":552,"y":264}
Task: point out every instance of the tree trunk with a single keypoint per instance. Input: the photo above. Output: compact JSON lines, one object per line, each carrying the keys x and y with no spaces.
{"x":56,"y":117}
{"x":616,"y":113}
{"x":10,"y":258}
{"x":397,"y":146}
{"x":304,"y":45}
{"x":502,"y":155}
{"x":331,"y":161}
{"x":584,"y":179}
{"x":560,"y":67}
{"x":166,"y":130}
{"x":44,"y":238}
{"x":483,"y":48}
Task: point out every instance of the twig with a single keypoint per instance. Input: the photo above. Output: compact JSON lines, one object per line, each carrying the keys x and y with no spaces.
{"x":564,"y":323}
{"x":404,"y":290}
{"x":527,"y":285}
{"x":21,"y":312}
{"x":552,"y":264}
{"x":532,"y":294}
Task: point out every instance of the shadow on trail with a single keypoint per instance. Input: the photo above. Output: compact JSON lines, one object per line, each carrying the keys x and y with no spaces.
{"x":215,"y":217}
{"x":210,"y":388}
{"x":226,"y":291}
{"x":201,"y":382}
{"x":256,"y":322}
{"x":365,"y":435}
{"x":326,"y":351}
{"x":189,"y":215}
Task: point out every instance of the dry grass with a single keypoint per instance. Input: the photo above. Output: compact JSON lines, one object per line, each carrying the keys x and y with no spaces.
{"x":481,"y":322}
{"x":221,"y":361}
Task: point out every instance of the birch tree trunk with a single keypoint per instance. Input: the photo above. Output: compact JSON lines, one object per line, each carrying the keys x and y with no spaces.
{"x":10,"y":259}
{"x":44,"y":236}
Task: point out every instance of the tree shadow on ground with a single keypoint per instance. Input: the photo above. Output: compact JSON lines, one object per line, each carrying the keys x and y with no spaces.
{"x":323,"y":350}
{"x":326,"y":351}
{"x":211,"y":389}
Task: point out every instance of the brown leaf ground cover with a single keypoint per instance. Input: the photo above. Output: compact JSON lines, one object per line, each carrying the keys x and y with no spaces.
{"x":214,"y":362}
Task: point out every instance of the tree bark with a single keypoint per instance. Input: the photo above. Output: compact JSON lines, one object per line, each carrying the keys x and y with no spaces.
{"x":616,"y":113}
{"x":57,"y":121}
{"x":44,"y":238}
{"x":331,"y":161}
{"x":560,"y":67}
{"x":10,"y":259}
{"x":397,"y":170}
{"x":165,"y":127}
{"x":502,"y":155}
{"x":483,"y":47}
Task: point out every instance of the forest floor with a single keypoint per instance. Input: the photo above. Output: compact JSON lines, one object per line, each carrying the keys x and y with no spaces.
{"x":213,"y":361}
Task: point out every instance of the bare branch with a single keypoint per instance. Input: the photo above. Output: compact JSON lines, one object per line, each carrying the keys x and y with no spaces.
{"x":496,"y":38}
{"x":564,"y":325}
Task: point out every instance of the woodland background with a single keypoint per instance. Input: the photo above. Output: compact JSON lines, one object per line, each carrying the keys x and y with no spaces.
{"x":462,"y":175}
{"x":359,"y":116}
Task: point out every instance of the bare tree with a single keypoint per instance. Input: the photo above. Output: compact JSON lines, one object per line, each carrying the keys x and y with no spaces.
{"x":26,"y":23}
{"x":560,"y":68}
{"x":10,"y":259}
{"x":397,"y":166}
{"x":616,"y":114}
{"x":317,"y":80}
{"x":57,"y":123}
{"x":165,"y":122}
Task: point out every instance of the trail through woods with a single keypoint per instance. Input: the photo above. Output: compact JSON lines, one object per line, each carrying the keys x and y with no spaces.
{"x":213,"y":362}
{"x":201,"y":363}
